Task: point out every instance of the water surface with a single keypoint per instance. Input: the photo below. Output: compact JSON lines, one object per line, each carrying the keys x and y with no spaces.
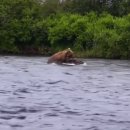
{"x":38,"y":96}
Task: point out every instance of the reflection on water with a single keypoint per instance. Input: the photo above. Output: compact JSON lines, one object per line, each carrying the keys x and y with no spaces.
{"x":38,"y":96}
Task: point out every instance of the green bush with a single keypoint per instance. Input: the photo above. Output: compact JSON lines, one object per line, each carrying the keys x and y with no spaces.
{"x":32,"y":26}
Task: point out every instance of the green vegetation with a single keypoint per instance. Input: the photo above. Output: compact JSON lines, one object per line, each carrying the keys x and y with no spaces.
{"x":92,"y":28}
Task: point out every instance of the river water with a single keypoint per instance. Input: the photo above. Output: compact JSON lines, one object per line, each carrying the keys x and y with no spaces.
{"x":38,"y":96}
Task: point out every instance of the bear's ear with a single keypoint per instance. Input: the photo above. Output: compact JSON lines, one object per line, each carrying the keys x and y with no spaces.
{"x":70,"y":50}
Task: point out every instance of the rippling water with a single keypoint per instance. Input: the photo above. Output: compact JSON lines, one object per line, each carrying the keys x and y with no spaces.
{"x":38,"y":96}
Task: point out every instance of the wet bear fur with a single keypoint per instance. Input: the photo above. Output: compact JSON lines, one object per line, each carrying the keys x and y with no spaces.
{"x":61,"y":56}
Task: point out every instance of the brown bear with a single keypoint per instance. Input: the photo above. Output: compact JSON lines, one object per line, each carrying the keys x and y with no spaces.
{"x":61,"y":57}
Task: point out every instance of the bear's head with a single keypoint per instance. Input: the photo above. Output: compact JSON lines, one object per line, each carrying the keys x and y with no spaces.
{"x":69,"y":53}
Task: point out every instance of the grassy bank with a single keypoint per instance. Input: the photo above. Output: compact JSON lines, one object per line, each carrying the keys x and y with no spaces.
{"x":26,"y":30}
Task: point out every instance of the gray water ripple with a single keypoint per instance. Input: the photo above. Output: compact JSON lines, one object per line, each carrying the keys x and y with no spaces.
{"x":8,"y":117}
{"x":56,"y":82}
{"x":67,"y":73}
{"x":16,"y":125}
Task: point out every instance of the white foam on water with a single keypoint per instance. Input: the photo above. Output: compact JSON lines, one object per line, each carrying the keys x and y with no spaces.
{"x":69,"y":64}
{"x":53,"y":63}
{"x":84,"y":64}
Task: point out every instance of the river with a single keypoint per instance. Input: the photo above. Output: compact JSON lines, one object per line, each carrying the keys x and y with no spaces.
{"x":35,"y":95}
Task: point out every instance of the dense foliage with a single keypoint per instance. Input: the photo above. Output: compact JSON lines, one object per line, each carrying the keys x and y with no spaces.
{"x":93,"y":28}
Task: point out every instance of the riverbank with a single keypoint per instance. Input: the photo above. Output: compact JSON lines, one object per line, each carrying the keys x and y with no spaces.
{"x":88,"y":55}
{"x":34,"y":28}
{"x":91,"y":35}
